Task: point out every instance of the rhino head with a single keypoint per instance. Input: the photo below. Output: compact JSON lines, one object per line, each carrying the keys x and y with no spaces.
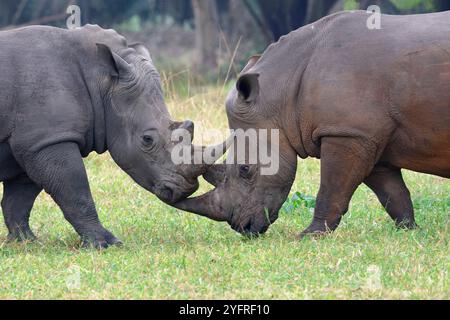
{"x":244,"y":196}
{"x":139,"y":129}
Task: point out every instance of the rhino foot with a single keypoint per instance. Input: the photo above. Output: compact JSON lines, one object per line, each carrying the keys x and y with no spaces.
{"x":319,"y":228}
{"x":100,"y":242}
{"x":313,"y":234}
{"x":407,"y":225}
{"x":21,"y":236}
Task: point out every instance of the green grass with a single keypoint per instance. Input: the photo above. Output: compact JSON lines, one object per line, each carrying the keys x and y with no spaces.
{"x":429,"y":5}
{"x":170,"y":254}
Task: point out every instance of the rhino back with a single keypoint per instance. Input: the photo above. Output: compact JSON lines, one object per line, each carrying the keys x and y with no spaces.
{"x":48,"y":82}
{"x":388,"y":85}
{"x":340,"y":52}
{"x":339,"y":78}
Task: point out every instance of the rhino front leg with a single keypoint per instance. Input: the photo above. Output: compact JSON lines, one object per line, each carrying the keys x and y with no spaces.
{"x":18,"y":200}
{"x":60,"y":171}
{"x":345,"y":163}
{"x":391,"y":190}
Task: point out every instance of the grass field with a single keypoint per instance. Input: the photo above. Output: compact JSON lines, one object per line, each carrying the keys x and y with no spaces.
{"x":170,"y":254}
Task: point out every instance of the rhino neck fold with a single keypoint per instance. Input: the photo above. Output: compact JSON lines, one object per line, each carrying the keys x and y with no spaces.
{"x":292,"y":115}
{"x":99,"y":144}
{"x":94,"y":84}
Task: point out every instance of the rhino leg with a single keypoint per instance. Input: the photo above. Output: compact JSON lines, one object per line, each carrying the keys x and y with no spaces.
{"x":18,"y":199}
{"x":391,"y":190}
{"x":60,"y":170}
{"x":345,"y":163}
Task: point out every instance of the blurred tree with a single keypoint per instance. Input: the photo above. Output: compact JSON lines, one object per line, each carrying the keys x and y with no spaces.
{"x":8,"y":7}
{"x":443,"y":5}
{"x":241,"y":24}
{"x":207,"y":34}
{"x":318,"y":9}
{"x":281,"y":17}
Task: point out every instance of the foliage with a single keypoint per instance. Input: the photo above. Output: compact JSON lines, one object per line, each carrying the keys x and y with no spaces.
{"x":351,"y":5}
{"x":410,"y":5}
{"x":134,"y":24}
{"x":297,"y":201}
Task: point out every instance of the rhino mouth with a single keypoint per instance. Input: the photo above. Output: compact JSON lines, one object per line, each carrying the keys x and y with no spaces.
{"x":253,"y":221}
{"x":172,"y":193}
{"x":250,"y":231}
{"x":251,"y":228}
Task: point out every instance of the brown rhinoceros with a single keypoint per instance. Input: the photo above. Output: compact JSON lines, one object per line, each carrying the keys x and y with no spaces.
{"x":368,"y":103}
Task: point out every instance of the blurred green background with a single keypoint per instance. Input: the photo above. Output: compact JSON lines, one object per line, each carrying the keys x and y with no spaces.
{"x":212,"y":37}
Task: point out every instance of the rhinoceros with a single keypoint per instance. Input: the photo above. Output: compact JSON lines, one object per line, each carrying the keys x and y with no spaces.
{"x":367,"y":103}
{"x":67,"y":93}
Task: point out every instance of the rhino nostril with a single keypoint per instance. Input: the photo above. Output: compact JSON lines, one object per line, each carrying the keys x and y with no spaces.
{"x":264,"y":230}
{"x":166,"y":194}
{"x":248,"y":227}
{"x":253,"y":231}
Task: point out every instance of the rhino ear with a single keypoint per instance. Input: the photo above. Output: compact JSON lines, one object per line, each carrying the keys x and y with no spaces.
{"x":216,"y":175}
{"x":118,"y":66}
{"x":142,"y":50}
{"x":248,"y":86}
{"x":251,"y":62}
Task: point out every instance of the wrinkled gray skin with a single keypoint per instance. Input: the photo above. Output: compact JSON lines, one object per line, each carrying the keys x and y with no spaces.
{"x":367,"y":103}
{"x":65,"y":94}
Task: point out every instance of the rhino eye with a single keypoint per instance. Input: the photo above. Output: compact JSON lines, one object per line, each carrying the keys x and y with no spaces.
{"x":244,"y":171}
{"x":148,"y":140}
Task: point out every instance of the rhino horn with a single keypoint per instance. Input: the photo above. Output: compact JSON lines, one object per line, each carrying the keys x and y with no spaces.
{"x":206,"y":157}
{"x":211,"y":154}
{"x":207,"y":206}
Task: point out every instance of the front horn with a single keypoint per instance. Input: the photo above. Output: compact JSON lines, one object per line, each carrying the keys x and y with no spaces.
{"x":213,"y":153}
{"x":205,"y":157}
{"x":207,"y":206}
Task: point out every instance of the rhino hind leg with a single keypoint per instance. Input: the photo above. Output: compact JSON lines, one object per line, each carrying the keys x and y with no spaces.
{"x":390,"y":188}
{"x":345,"y":162}
{"x":60,"y":170}
{"x":18,"y":200}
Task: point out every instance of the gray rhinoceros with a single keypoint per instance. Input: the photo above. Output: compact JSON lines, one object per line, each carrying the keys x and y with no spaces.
{"x":367,"y":103}
{"x":67,"y":93}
